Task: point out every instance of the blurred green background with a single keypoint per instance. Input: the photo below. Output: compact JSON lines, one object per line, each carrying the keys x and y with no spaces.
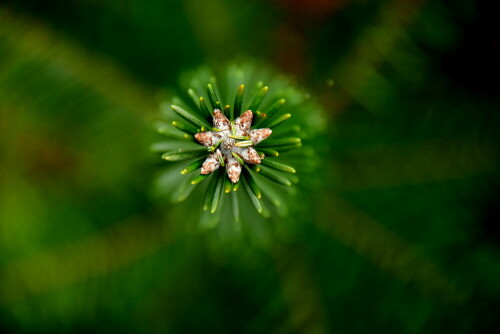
{"x":401,"y":236}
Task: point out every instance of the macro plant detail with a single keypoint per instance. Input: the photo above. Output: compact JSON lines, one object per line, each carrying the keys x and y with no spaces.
{"x":231,"y":144}
{"x":224,"y":149}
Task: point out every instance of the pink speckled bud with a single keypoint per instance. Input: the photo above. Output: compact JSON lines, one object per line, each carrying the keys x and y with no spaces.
{"x":243,"y":123}
{"x":220,"y":121}
{"x":233,"y":168}
{"x":211,"y":163}
{"x":250,"y":155}
{"x":258,"y":135}
{"x":209,"y":138}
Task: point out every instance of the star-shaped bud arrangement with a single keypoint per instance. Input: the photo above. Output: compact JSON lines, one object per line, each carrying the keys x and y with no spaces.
{"x":231,"y":144}
{"x":233,"y":147}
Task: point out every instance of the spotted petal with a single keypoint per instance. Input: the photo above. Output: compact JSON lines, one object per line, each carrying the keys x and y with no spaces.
{"x":209,"y":138}
{"x":258,"y":135}
{"x":211,"y":163}
{"x":243,"y":123}
{"x":233,"y":169}
{"x":220,"y":121}
{"x":250,"y":155}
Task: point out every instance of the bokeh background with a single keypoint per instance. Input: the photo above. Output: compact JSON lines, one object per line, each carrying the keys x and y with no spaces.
{"x":400,"y":236}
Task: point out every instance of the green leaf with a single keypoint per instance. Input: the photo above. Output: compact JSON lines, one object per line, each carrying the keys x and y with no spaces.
{"x":190,"y":138}
{"x":193,"y":166}
{"x":217,"y":192}
{"x":251,"y":182}
{"x":238,"y":158}
{"x":257,"y":100}
{"x":228,"y":185}
{"x":281,"y":142}
{"x":268,"y":152}
{"x":204,"y":109}
{"x":259,"y":118}
{"x":199,"y":178}
{"x":272,"y":194}
{"x":227,"y":111}
{"x":193,"y":96}
{"x":277,"y":121}
{"x":188,"y":116}
{"x":251,"y":195}
{"x":221,"y":160}
{"x":239,"y":137}
{"x":244,"y":143}
{"x":183,"y":191}
{"x":236,"y":186}
{"x":214,"y":99}
{"x":180,"y":155}
{"x":163,"y":146}
{"x":171,"y":133}
{"x":209,"y":194}
{"x":273,"y":177}
{"x":286,"y":148}
{"x":275,"y":107}
{"x":278,"y":166}
{"x":266,"y":213}
{"x":185,"y":127}
{"x":238,"y":101}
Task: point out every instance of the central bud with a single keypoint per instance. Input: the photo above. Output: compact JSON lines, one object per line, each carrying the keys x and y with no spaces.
{"x":228,"y":142}
{"x":231,"y":144}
